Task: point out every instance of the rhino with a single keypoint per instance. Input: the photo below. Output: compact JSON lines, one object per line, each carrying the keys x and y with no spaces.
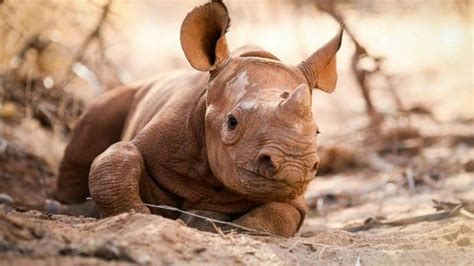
{"x":234,"y":140}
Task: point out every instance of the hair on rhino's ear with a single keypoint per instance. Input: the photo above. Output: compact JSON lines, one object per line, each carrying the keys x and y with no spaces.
{"x":320,"y":68}
{"x":203,"y":36}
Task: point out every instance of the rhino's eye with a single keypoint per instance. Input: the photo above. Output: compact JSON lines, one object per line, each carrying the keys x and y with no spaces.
{"x":318,"y":132}
{"x":232,"y":122}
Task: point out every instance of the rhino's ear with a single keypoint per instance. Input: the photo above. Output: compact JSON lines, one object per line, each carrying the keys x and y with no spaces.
{"x":320,"y":68}
{"x":203,"y":36}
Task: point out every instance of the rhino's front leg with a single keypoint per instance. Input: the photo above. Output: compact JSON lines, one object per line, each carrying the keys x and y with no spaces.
{"x":277,"y":218}
{"x":114,"y":180}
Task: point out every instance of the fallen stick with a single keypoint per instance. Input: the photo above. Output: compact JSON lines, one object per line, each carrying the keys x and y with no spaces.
{"x":454,"y":210}
{"x":212,"y":220}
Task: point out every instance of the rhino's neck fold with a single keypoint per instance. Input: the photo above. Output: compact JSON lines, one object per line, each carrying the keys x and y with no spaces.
{"x":196,"y":142}
{"x":195,"y":134}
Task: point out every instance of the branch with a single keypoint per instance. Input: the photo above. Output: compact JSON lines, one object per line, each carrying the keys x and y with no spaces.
{"x":91,"y":37}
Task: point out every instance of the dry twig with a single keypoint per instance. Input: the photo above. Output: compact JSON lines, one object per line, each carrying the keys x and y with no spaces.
{"x":445,"y":210}
{"x":363,"y":75}
{"x":234,"y":225}
{"x":95,"y":35}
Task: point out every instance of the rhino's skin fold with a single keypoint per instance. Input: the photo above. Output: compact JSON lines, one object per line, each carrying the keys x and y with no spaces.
{"x":235,"y":141}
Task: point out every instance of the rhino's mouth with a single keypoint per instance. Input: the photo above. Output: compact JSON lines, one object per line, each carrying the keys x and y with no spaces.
{"x":254,"y":173}
{"x":261,"y":188}
{"x":276,"y":181}
{"x":275,"y":184}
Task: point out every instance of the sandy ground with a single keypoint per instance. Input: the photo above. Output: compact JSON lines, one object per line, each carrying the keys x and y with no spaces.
{"x":41,"y":239}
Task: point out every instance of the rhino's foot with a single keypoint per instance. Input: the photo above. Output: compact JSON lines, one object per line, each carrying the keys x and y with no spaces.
{"x":276,"y":218}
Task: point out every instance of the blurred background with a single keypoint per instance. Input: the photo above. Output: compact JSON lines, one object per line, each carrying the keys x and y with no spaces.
{"x":398,"y":131}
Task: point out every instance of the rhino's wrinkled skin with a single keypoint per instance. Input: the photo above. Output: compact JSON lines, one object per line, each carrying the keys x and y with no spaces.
{"x":235,"y":141}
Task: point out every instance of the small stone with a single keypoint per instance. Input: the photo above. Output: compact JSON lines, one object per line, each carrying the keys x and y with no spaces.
{"x":38,"y":233}
{"x":21,"y":209}
{"x":107,"y":252}
{"x":3,"y":145}
{"x":5,"y":199}
{"x":199,"y":250}
{"x":143,"y":259}
{"x":469,"y":165}
{"x":52,"y":206}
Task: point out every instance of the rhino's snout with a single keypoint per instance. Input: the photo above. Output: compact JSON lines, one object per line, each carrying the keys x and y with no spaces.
{"x":274,"y":166}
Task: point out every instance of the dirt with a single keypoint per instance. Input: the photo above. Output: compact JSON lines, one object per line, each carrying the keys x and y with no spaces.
{"x":25,"y":176}
{"x":34,"y":237}
{"x":53,"y":107}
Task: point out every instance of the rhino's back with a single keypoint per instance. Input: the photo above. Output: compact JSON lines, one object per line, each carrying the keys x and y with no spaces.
{"x":174,"y":92}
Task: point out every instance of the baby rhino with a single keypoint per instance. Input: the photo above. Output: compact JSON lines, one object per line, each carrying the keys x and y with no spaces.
{"x":236,"y":141}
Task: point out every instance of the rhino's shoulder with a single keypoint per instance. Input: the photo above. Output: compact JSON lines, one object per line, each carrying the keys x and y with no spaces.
{"x":168,"y":93}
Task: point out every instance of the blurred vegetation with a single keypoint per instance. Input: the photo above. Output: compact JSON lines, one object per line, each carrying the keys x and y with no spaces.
{"x":47,"y":47}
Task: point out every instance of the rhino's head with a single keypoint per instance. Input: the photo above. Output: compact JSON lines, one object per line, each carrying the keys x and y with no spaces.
{"x":260,"y":131}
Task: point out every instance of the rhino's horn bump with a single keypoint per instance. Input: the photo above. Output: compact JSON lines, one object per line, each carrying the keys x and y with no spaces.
{"x":299,"y":101}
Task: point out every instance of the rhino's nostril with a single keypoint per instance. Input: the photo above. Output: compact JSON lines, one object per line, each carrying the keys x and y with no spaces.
{"x":316,"y":165}
{"x":267,"y":166}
